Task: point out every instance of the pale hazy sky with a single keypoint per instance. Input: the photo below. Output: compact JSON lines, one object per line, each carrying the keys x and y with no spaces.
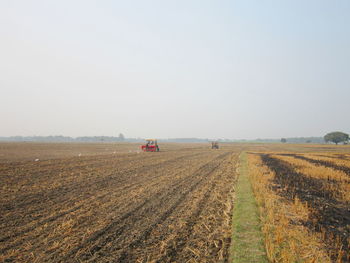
{"x":210,"y":69}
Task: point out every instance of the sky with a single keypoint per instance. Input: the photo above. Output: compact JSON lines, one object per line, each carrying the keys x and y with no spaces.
{"x":169,"y":69}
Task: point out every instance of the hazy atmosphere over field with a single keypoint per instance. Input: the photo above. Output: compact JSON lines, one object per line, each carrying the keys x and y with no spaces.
{"x":210,"y":69}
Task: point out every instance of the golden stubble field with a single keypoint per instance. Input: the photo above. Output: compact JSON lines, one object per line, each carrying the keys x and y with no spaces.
{"x":304,"y":199}
{"x":106,"y":202}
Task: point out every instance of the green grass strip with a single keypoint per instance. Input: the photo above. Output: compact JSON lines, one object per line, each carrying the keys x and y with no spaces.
{"x":247,"y":239}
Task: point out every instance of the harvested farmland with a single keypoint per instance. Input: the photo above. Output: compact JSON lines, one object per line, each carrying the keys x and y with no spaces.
{"x":306,"y":206}
{"x":110,"y":202}
{"x":171,"y":206}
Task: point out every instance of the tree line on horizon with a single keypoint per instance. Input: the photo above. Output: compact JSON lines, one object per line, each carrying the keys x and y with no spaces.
{"x":333,"y":137}
{"x":122,"y":138}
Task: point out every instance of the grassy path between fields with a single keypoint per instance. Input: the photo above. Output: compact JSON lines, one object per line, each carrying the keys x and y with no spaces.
{"x":247,"y":239}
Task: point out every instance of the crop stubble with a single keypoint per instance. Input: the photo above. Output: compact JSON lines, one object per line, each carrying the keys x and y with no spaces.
{"x":165,"y":207}
{"x":329,"y":214}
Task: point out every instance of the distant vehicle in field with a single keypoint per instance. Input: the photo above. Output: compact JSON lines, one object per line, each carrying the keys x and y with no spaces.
{"x":150,"y":146}
{"x":214,"y":145}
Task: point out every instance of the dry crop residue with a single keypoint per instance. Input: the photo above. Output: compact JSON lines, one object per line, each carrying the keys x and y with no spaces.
{"x":324,"y":194}
{"x":147,"y":207}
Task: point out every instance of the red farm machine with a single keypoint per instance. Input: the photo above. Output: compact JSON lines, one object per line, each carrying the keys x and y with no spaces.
{"x":150,"y":146}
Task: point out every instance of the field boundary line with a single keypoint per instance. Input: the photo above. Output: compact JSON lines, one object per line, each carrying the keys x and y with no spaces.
{"x":247,"y":244}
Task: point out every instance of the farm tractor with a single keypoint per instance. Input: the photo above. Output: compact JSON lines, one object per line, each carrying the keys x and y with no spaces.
{"x":150,"y":146}
{"x":214,"y":145}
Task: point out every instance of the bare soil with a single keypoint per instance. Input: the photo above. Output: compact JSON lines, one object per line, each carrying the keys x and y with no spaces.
{"x":171,"y":206}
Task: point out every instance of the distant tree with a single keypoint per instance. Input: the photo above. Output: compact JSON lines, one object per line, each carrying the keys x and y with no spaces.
{"x":308,"y":141}
{"x":336,"y":137}
{"x":121,"y":137}
{"x":283,"y":140}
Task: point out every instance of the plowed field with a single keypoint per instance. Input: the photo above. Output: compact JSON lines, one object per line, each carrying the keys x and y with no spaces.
{"x":171,"y":206}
